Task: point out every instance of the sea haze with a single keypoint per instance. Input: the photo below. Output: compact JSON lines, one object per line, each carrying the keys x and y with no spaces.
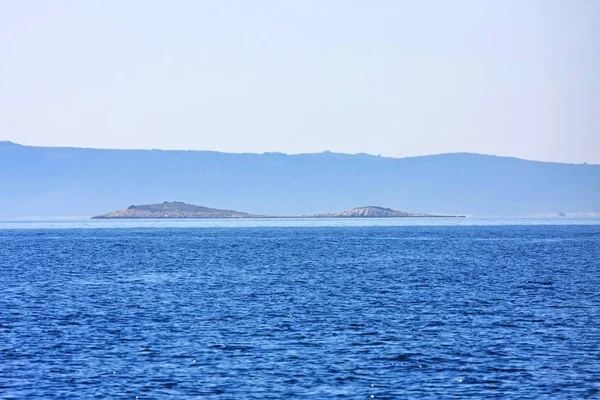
{"x":300,"y":311}
{"x":43,"y":182}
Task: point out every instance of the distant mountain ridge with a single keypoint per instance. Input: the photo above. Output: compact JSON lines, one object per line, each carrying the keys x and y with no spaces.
{"x":45,"y":181}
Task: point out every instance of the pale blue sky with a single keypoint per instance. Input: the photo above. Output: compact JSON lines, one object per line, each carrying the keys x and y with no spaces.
{"x":397,"y":78}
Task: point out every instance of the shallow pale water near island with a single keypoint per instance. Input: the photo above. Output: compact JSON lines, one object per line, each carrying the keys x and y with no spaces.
{"x":382,"y":310}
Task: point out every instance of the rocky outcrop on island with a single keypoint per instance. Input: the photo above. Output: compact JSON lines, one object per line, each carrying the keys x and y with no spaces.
{"x":374,"y":212}
{"x":173,"y":209}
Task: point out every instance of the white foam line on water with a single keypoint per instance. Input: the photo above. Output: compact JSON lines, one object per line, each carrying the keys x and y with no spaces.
{"x":291,"y":222}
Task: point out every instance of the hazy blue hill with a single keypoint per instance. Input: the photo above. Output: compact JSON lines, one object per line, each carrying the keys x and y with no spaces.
{"x":42,"y":181}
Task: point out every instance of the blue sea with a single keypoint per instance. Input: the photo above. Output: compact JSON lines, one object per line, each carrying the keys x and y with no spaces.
{"x":310,"y":309}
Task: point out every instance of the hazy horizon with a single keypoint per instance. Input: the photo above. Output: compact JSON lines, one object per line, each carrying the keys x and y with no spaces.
{"x":399,"y":79}
{"x":75,"y":181}
{"x":294,"y":154}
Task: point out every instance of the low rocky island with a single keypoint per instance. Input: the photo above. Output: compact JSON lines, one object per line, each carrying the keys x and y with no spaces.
{"x":172,"y":209}
{"x":178,"y":210}
{"x":376,"y":212}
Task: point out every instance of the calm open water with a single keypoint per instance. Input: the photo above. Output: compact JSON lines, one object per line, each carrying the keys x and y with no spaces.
{"x":268,"y":312}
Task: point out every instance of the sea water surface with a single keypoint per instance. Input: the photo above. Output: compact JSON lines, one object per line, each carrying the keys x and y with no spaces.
{"x":319,"y":309}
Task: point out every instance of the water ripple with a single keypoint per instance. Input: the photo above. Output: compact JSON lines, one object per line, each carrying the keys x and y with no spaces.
{"x":322,"y":312}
